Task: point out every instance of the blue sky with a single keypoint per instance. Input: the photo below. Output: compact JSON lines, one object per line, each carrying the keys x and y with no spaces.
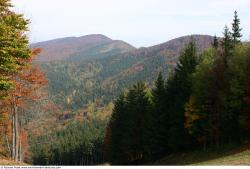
{"x":138,"y":22}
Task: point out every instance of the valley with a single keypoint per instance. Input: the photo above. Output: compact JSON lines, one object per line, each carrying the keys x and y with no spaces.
{"x":96,"y":79}
{"x":82,"y":84}
{"x":94,"y":100}
{"x":88,"y":75}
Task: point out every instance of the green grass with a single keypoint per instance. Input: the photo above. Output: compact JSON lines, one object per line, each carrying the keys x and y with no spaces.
{"x":242,"y":158}
{"x":226,"y":156}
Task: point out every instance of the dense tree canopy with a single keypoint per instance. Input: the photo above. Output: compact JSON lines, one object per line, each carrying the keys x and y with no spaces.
{"x":14,"y":45}
{"x":203,"y":104}
{"x":205,"y":92}
{"x":19,"y":80}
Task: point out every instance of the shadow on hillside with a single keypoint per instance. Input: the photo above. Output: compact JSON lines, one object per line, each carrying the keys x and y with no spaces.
{"x":189,"y":158}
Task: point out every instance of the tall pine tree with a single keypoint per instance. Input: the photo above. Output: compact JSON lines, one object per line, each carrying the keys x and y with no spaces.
{"x":178,"y":91}
{"x":215,"y":43}
{"x":227,"y":44}
{"x":159,"y":118}
{"x":236,"y":35}
{"x":128,"y":125}
{"x":117,"y":128}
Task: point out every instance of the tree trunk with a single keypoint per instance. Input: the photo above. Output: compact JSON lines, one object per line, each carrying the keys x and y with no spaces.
{"x":13,"y":134}
{"x":7,"y":141}
{"x":20,"y":150}
{"x":16,"y":134}
{"x":20,"y":144}
{"x":15,"y":130}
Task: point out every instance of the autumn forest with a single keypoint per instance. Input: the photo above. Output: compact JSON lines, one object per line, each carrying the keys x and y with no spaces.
{"x":92,"y":100}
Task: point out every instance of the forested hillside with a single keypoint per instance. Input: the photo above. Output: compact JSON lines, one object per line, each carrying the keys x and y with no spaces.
{"x":93,"y":78}
{"x":203,"y":105}
{"x":106,"y":69}
{"x":90,"y":100}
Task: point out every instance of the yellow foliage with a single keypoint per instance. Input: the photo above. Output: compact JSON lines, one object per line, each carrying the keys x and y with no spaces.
{"x":91,"y":107}
{"x":190,"y":114}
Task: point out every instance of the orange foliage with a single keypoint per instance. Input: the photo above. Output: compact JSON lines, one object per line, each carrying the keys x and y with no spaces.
{"x":28,"y":81}
{"x":107,"y":137}
{"x":24,"y":142}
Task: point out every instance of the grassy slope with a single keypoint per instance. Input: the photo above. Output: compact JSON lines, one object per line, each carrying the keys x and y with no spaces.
{"x":6,"y":161}
{"x":228,"y":156}
{"x":242,"y":158}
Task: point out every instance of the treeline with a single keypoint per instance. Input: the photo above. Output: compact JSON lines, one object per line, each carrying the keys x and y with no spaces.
{"x":75,"y":144}
{"x":203,"y":104}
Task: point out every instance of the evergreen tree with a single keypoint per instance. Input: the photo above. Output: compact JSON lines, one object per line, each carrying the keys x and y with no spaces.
{"x":129,"y":136}
{"x":159,"y":90}
{"x":159,"y":118}
{"x":205,"y":106}
{"x":117,"y":126}
{"x":137,"y":106}
{"x":236,"y":35}
{"x":215,"y":43}
{"x":178,"y":91}
{"x":227,"y":44}
{"x":76,"y":144}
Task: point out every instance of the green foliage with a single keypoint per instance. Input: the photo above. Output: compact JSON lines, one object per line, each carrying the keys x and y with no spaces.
{"x":220,"y":101}
{"x":203,"y":103}
{"x":227,"y":45}
{"x":128,"y":124}
{"x":215,"y":43}
{"x":13,"y":43}
{"x":158,"y":134}
{"x":236,"y":35}
{"x":203,"y":98}
{"x":188,"y":111}
{"x":102,"y":78}
{"x":238,"y":91}
{"x":141,"y":129}
{"x":76,"y":144}
{"x":178,"y":89}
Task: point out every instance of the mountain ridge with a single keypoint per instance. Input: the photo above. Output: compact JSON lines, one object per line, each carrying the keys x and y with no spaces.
{"x":100,"y":36}
{"x":98,"y":74}
{"x":102,"y":70}
{"x":64,"y":48}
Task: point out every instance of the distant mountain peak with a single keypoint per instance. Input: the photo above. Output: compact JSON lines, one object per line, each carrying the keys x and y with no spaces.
{"x":96,"y":36}
{"x":94,"y":44}
{"x":63,"y":48}
{"x":174,"y":46}
{"x":98,"y":68}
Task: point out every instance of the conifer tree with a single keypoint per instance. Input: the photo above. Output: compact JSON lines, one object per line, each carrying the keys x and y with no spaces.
{"x":128,"y":125}
{"x":178,"y":91}
{"x":205,"y":104}
{"x":117,"y":129}
{"x":227,"y":44}
{"x":236,"y":35}
{"x":159,"y":118}
{"x":137,"y":107}
{"x":215,"y":43}
{"x":158,"y":91}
